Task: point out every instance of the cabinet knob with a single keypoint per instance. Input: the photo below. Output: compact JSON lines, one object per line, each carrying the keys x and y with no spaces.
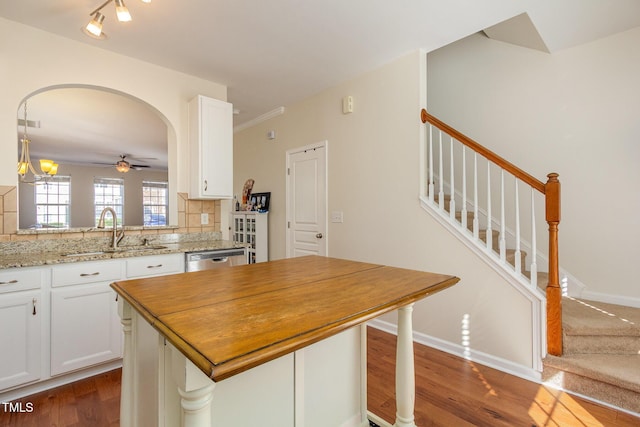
{"x":206,"y":185}
{"x":319,"y":236}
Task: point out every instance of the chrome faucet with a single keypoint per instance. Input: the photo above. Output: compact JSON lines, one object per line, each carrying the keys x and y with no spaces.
{"x":117,"y":236}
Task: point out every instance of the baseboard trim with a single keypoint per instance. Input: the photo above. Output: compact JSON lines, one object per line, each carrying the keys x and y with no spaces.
{"x":485,"y":359}
{"x":376,"y":419}
{"x":58,"y":381}
{"x":611,"y":299}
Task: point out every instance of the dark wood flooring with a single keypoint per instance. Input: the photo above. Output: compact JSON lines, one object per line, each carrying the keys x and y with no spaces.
{"x":450,"y":391}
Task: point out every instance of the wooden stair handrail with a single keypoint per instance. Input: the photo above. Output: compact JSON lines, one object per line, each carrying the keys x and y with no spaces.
{"x":551,"y":191}
{"x":488,"y":154}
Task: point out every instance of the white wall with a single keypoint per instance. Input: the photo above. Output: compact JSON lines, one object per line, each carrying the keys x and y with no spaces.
{"x":31,"y":60}
{"x":373,"y":174}
{"x":574,"y":112}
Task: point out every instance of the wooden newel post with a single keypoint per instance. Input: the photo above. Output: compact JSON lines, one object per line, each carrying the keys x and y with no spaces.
{"x":554,"y":293}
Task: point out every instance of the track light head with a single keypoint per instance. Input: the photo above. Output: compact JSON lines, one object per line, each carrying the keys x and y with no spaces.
{"x":94,"y":27}
{"x":122,"y":12}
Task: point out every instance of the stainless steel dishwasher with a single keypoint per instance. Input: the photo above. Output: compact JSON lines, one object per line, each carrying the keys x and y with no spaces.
{"x":219,"y":258}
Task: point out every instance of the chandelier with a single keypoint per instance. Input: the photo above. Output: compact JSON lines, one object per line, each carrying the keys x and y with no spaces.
{"x":94,"y":27}
{"x":48,"y":167}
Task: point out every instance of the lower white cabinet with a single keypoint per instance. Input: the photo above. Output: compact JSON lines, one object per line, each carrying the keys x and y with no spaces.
{"x":85,"y":327}
{"x":63,"y":320}
{"x":20,"y":335}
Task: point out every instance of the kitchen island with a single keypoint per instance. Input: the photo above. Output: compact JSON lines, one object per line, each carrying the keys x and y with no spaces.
{"x":277,"y":341}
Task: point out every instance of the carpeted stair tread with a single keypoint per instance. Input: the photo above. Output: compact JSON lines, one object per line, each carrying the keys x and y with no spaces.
{"x":583,"y":317}
{"x":620,"y":370}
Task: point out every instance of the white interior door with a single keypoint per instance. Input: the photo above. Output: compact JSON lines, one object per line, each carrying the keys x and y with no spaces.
{"x":307,"y":201}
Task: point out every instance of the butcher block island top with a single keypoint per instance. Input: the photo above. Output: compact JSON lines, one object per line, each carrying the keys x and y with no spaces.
{"x":229,"y":320}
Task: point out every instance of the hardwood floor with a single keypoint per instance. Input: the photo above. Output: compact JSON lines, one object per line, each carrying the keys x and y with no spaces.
{"x":449,"y":392}
{"x":93,"y":402}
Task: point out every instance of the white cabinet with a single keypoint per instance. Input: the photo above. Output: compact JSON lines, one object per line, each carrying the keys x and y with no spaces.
{"x":21,"y":325}
{"x":20,"y":335}
{"x":252,"y":228}
{"x":155,"y":265}
{"x":210,"y":148}
{"x":63,"y":319}
{"x":85,"y":326}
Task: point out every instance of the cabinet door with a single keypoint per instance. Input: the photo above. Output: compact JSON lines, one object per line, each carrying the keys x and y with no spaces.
{"x":85,"y":327}
{"x":20,"y":335}
{"x":211,"y":148}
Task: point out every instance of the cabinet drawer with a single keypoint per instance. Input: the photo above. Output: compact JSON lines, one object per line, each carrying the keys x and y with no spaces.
{"x":20,"y":279}
{"x":155,"y":265}
{"x":86,"y":272}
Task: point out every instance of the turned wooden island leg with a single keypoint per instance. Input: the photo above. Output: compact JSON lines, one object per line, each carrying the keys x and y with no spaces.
{"x":195,"y":389}
{"x":126,"y":392}
{"x":405,"y":372}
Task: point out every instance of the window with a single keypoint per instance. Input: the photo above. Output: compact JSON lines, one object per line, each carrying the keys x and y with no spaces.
{"x":108,"y":192}
{"x":53,"y":202}
{"x":154,"y":201}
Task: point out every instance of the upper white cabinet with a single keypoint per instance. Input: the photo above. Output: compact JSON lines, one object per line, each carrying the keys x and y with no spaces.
{"x":210,"y":148}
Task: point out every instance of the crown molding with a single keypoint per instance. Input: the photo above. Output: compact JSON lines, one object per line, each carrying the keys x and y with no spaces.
{"x":262,"y":118}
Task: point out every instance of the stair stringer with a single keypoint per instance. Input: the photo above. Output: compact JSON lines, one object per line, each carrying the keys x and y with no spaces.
{"x":518,"y":282}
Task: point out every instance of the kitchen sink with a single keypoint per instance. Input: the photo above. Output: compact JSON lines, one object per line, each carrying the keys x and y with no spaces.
{"x":85,"y":253}
{"x":135,"y":248}
{"x":120,"y":249}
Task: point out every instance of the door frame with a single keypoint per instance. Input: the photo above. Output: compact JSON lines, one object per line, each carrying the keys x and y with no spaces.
{"x":322,"y":144}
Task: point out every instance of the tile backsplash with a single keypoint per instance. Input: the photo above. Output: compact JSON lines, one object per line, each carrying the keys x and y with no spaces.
{"x":189,"y":219}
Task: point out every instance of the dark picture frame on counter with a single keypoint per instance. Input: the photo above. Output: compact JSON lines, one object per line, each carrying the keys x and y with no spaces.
{"x":260,"y":201}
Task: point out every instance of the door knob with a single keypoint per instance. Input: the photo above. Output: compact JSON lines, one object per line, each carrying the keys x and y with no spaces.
{"x":319,"y":236}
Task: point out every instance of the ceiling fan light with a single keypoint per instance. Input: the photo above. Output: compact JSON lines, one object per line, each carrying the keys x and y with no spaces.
{"x":94,"y":26}
{"x":122,"y":12}
{"x":54,"y":169}
{"x":146,"y":1}
{"x":123,"y":166}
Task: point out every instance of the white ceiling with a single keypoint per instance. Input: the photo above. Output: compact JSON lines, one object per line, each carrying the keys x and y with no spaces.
{"x":272,"y":53}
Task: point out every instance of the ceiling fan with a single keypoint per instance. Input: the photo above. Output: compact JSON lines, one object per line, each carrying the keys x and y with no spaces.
{"x":123,"y":165}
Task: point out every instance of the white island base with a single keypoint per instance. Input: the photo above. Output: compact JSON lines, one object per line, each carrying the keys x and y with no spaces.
{"x":321,"y":385}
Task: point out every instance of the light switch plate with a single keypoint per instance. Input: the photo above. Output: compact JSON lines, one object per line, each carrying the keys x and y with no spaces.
{"x":204,"y":218}
{"x":336,"y":216}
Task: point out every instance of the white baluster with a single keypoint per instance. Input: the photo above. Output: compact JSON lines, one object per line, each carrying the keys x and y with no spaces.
{"x":489,"y":236}
{"x":503,"y":240}
{"x":440,"y":177}
{"x":431,"y":187}
{"x":463,"y":213}
{"x":452,"y":187}
{"x":534,"y":253}
{"x":476,"y":225}
{"x":518,"y":263}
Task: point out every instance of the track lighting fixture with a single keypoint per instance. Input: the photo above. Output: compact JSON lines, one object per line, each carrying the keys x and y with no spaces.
{"x":94,"y":27}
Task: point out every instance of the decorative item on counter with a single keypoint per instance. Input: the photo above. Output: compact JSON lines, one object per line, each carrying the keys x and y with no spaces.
{"x":260,"y":202}
{"x":236,"y":204}
{"x":246,"y":193}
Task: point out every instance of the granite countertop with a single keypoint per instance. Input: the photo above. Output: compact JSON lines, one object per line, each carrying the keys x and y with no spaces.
{"x":69,"y":251}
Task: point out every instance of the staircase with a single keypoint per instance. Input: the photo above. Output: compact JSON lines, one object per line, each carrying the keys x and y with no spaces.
{"x":597,"y":345}
{"x":601,"y":357}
